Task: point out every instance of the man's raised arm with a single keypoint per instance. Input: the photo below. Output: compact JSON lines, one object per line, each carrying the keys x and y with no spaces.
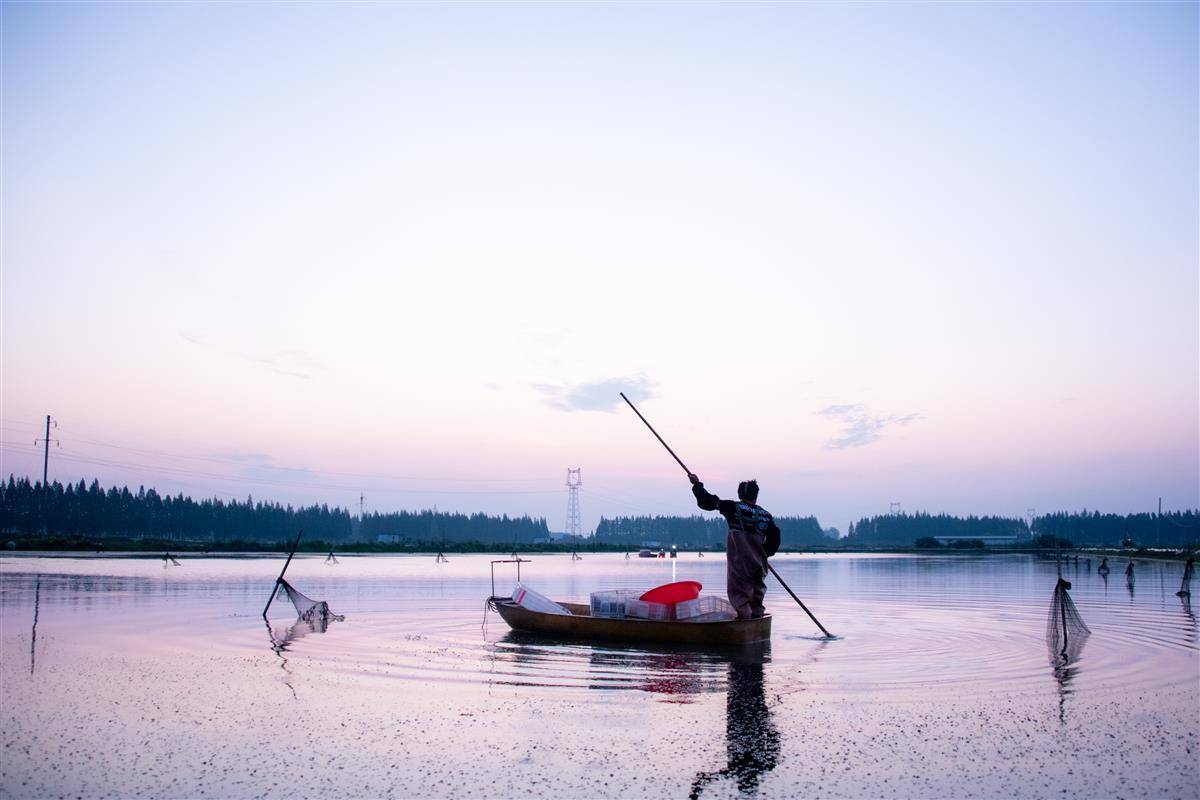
{"x":706,"y":501}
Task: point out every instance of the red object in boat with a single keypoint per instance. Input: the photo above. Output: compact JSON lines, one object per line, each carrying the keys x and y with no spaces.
{"x":670,"y":593}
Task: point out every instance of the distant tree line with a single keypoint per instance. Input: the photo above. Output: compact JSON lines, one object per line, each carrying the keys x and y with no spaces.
{"x":903,"y":530}
{"x":1066,"y":529}
{"x":436,"y":528}
{"x":696,"y":532}
{"x":90,"y":511}
{"x":82,"y":511}
{"x":1172,"y":529}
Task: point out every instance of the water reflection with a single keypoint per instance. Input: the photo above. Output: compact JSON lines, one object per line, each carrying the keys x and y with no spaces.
{"x":751,"y":738}
{"x":1185,"y":585}
{"x":37,"y":601}
{"x":1065,"y":671}
{"x":677,"y":674}
{"x":282,"y":641}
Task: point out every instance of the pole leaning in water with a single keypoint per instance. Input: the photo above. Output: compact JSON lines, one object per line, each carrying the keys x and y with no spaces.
{"x":689,"y":472}
{"x":797,"y":599}
{"x":275,"y":588}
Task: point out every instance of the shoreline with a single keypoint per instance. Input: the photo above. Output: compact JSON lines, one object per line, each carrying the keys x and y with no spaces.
{"x":1143,"y":554}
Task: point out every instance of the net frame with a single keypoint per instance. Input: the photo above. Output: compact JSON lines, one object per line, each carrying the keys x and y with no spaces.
{"x":1066,"y":632}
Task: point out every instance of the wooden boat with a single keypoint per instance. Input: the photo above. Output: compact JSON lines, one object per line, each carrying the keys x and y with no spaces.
{"x":580,"y":624}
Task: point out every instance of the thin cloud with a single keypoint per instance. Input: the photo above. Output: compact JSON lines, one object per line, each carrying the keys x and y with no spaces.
{"x":292,"y":362}
{"x":268,"y":473}
{"x":262,"y":467}
{"x":604,"y":395}
{"x":245,"y":458}
{"x":860,"y":427}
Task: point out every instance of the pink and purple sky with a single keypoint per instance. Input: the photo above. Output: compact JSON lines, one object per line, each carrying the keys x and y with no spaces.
{"x":940,"y":254}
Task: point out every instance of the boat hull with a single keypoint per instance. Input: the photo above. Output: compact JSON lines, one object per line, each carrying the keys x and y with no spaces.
{"x":580,"y":624}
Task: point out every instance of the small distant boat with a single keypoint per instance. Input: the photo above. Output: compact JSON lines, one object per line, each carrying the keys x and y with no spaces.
{"x":647,"y":554}
{"x":580,"y":624}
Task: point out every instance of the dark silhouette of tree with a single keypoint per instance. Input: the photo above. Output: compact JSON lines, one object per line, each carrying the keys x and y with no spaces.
{"x":902,"y":530}
{"x":90,"y":512}
{"x":700,"y":532}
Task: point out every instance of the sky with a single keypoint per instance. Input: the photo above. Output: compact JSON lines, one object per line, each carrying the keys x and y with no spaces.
{"x":945,"y":255}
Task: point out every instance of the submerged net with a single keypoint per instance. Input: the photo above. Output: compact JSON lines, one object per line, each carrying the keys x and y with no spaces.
{"x":1066,"y":631}
{"x":307,"y":609}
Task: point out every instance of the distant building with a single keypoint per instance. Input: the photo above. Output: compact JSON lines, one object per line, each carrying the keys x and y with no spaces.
{"x":389,"y":538}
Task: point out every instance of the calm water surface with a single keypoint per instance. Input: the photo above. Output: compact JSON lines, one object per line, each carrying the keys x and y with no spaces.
{"x":125,"y":678}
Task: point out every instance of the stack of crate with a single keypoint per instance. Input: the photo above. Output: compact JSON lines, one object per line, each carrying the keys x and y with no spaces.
{"x":612,"y":603}
{"x":705,"y":609}
{"x":640,"y":609}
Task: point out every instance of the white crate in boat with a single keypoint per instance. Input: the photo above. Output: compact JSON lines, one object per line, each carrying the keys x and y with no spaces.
{"x":709,"y":608}
{"x":611,"y":603}
{"x":643,"y":610}
{"x":534,"y":601}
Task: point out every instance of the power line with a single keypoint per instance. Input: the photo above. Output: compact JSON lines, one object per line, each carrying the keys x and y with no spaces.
{"x":97,"y":461}
{"x":245,"y":463}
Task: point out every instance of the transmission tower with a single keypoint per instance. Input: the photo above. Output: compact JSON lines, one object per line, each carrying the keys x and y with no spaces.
{"x":574,"y":481}
{"x":893,"y":508}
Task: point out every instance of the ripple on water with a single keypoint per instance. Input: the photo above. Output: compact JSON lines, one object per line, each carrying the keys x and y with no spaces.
{"x":902,"y":625}
{"x":938,"y":683}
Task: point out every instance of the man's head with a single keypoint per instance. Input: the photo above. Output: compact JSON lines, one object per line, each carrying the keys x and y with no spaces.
{"x":748,"y":491}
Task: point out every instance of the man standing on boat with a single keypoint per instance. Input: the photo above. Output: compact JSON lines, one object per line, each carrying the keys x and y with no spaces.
{"x":753,"y":538}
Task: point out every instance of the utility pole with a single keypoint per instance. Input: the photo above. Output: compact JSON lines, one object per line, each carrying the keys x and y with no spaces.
{"x":46,"y":455}
{"x":46,"y":467}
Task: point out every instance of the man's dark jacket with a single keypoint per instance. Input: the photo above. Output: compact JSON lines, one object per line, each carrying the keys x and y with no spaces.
{"x":753,"y":537}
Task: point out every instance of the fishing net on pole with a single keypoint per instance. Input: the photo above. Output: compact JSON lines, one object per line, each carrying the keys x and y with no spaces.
{"x":1066,"y":631}
{"x":307,"y":609}
{"x":167,"y":557}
